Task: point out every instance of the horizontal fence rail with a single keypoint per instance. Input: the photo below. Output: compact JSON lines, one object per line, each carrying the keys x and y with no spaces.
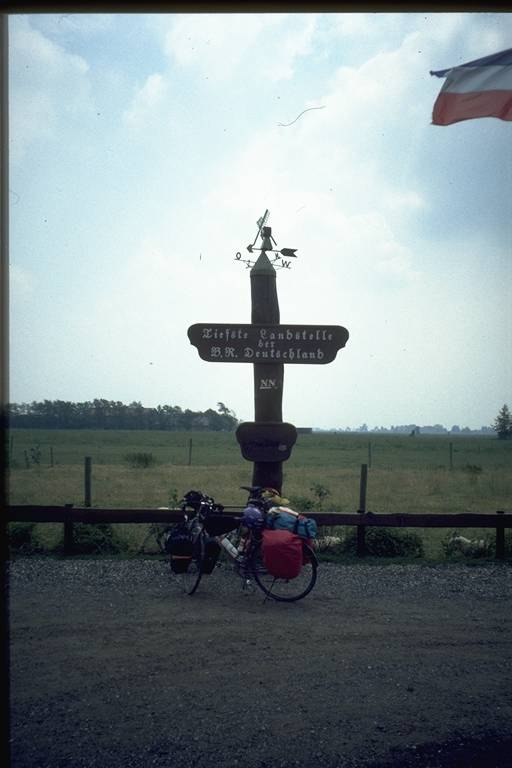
{"x":59,"y":514}
{"x":69,"y":514}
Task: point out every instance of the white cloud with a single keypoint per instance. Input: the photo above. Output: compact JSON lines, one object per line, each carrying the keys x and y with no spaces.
{"x":214,"y":44}
{"x":84,"y":24}
{"x":31,"y":118}
{"x":345,"y":185}
{"x":384,"y":30}
{"x":68,"y":26}
{"x":146,"y":101}
{"x":320,"y":166}
{"x":297,"y":41}
{"x":31,"y":50}
{"x":222,"y":46}
{"x":45,"y":83}
{"x":445,"y":27}
{"x":351,"y":25}
{"x":402,"y":201}
{"x":487,"y":41}
{"x":395,"y":260}
{"x":21,"y":283}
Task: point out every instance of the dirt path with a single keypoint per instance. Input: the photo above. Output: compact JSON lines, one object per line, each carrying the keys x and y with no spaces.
{"x":380,"y":666}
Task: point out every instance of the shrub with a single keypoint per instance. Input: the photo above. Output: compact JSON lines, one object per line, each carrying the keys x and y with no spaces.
{"x":455,"y":545}
{"x":21,"y":537}
{"x":173,"y":500}
{"x":98,"y":538}
{"x":386,"y":542}
{"x":139,"y":460}
{"x":321,"y":493}
{"x":35,"y":454}
{"x":302,"y":503}
{"x":327,"y":543}
{"x":473,"y":471}
{"x":305,"y":504}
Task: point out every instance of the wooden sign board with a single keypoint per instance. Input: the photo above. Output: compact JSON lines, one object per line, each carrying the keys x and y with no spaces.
{"x":266,"y":441}
{"x":310,"y":344}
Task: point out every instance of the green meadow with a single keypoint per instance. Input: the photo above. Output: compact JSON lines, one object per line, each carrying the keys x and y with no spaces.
{"x":406,"y":474}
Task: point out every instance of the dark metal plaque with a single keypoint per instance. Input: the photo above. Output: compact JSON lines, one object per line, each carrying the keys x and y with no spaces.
{"x":266,"y":441}
{"x":303,"y":344}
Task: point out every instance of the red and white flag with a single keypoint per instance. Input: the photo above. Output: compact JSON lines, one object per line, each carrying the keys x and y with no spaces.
{"x":481,"y":88}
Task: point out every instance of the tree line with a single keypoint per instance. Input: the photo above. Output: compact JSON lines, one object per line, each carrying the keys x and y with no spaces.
{"x":110,"y":414}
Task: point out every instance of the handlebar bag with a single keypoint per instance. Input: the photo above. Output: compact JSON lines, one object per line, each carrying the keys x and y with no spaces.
{"x":216,"y":525}
{"x":286,"y":519}
{"x":282,"y":554}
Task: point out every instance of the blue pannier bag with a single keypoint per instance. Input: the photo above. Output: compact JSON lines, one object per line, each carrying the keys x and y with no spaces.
{"x":286,"y":519}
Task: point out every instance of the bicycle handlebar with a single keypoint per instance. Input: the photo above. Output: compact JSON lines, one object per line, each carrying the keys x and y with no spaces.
{"x":252,"y":488}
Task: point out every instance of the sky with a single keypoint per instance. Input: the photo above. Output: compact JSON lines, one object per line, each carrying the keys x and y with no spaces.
{"x":144,"y":148}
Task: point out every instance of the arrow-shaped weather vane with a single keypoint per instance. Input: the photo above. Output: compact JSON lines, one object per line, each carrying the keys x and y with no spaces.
{"x":265,"y":233}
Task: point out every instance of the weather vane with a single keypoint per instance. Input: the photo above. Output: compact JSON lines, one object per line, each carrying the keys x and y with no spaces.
{"x":279,"y":260}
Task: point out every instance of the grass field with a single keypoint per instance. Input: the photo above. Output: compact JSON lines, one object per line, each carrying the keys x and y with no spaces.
{"x":317,"y":450}
{"x":407,"y":474}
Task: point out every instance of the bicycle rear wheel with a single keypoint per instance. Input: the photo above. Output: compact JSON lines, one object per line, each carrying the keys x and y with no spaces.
{"x":285,"y":590}
{"x":189,"y":580}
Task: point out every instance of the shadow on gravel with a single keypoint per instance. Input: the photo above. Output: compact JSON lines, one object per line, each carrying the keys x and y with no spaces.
{"x":487,"y":750}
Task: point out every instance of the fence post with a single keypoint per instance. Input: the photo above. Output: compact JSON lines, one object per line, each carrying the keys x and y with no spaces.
{"x":361,"y":545}
{"x":87,"y":481}
{"x":500,"y":536}
{"x":451,"y":455}
{"x":369,"y":455}
{"x":51,"y":456}
{"x":68,"y":533}
{"x":27,"y":463}
{"x":190,"y":452}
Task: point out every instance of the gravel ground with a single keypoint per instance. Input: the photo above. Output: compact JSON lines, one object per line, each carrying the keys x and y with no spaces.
{"x":379,"y":667}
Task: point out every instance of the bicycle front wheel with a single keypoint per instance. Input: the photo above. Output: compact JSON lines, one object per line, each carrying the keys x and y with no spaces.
{"x":285,"y":590}
{"x":189,"y":580}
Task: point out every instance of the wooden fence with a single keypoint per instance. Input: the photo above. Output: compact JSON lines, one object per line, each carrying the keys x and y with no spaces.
{"x":69,"y":514}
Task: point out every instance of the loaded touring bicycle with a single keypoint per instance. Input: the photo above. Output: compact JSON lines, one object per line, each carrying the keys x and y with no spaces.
{"x":268,"y":544}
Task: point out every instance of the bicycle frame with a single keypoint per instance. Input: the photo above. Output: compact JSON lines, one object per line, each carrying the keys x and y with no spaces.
{"x":248,"y":562}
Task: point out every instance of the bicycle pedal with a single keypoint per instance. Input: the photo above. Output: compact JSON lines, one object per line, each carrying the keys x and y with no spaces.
{"x":248,"y":585}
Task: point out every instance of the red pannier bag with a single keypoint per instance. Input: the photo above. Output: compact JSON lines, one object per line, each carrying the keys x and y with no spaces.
{"x":282,"y":554}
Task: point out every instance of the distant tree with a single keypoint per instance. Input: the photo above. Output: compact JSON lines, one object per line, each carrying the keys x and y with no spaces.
{"x":503,"y":424}
{"x":105,"y":414}
{"x":229,"y":419}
